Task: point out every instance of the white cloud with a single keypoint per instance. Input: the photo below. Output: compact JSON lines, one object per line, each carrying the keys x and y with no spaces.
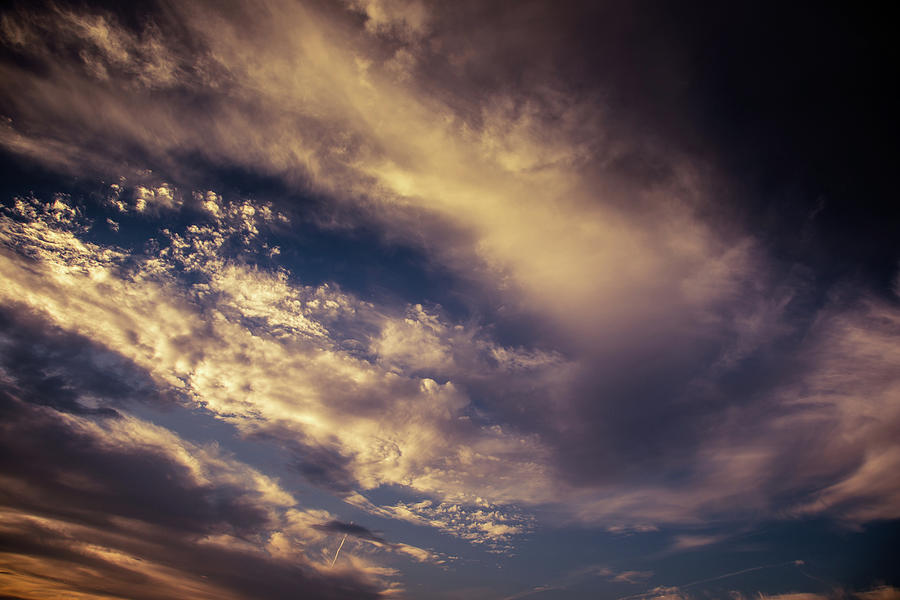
{"x":480,"y":523}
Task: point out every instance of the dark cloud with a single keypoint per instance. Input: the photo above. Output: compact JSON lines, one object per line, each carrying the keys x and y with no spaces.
{"x":789,"y":103}
{"x":351,"y":529}
{"x":230,"y":573}
{"x":60,"y":369}
{"x":67,"y":489}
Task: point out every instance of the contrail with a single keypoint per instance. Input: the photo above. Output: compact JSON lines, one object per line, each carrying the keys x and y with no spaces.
{"x":797,"y":563}
{"x":784,"y":564}
{"x":334,"y":560}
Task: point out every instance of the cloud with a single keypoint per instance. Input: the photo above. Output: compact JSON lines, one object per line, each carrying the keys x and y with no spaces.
{"x":885,"y":592}
{"x":675,"y":593}
{"x":115,"y":506}
{"x":360,"y":532}
{"x":685,"y":542}
{"x":514,"y":180}
{"x":529,"y":192}
{"x":823,"y":417}
{"x":350,"y":529}
{"x":481,"y":523}
{"x":794,"y":596}
{"x":116,"y":495}
{"x":662,"y":593}
{"x":191,"y":309}
{"x":852,"y":391}
{"x":405,"y":19}
{"x":632,"y":576}
{"x":351,"y":423}
{"x":651,"y":387}
{"x":104,"y":48}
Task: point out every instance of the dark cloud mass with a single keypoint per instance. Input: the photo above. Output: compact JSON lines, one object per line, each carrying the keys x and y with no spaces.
{"x":400,"y":298}
{"x":350,"y":529}
{"x":125,"y":519}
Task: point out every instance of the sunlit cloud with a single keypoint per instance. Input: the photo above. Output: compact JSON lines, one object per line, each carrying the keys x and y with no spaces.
{"x":194,"y":340}
{"x":607,"y":341}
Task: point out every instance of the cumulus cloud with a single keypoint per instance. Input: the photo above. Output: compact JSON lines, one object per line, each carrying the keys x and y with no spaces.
{"x":479,"y":523}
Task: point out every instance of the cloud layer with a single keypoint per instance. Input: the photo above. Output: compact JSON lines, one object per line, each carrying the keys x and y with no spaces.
{"x":609,"y":344}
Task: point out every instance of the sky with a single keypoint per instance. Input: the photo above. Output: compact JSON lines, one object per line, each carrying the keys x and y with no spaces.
{"x":351,"y":299}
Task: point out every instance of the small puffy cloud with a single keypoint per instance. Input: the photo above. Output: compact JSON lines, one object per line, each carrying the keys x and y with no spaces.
{"x":148,"y":197}
{"x":162,"y":197}
{"x":483,"y":523}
